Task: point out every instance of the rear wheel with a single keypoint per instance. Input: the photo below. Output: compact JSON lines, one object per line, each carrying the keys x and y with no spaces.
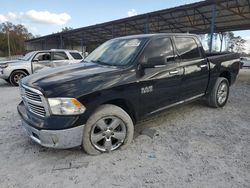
{"x":109,"y":128}
{"x":219,"y":94}
{"x":16,"y":76}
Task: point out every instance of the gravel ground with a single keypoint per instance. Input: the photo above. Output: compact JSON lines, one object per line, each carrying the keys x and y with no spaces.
{"x":187,"y":146}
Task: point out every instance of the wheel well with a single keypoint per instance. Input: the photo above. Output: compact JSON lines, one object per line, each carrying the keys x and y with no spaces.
{"x":125,"y":105}
{"x":226,"y":75}
{"x":20,"y":70}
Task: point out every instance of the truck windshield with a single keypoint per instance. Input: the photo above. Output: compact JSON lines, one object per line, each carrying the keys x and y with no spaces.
{"x":27,"y":56}
{"x":116,"y":52}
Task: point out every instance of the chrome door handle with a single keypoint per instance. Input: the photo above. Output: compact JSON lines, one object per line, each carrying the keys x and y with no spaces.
{"x":174,"y":72}
{"x":159,"y":66}
{"x":203,"y":66}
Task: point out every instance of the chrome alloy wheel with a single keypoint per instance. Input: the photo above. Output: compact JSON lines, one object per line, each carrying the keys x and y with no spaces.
{"x":18,"y":77}
{"x":108,"y":133}
{"x":222,"y":93}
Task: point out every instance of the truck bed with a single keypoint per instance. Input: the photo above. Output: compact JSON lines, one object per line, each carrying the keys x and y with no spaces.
{"x":226,"y":63}
{"x":218,"y":57}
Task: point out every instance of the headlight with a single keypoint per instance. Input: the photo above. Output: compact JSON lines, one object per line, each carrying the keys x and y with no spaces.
{"x":3,"y":66}
{"x":66,"y":106}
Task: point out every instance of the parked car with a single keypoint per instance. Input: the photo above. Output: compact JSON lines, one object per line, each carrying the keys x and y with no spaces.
{"x":14,"y":70}
{"x":97,"y":103}
{"x":245,"y":62}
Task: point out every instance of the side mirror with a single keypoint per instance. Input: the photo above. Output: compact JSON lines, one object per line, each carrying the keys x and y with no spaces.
{"x":155,"y":61}
{"x":35,"y":60}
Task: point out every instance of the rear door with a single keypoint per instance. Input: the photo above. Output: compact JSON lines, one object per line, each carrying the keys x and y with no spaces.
{"x":60,"y":59}
{"x":76,"y":56}
{"x":196,"y":74}
{"x":160,"y":85}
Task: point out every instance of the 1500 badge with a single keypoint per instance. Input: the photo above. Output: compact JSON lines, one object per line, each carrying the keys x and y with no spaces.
{"x":147,"y":89}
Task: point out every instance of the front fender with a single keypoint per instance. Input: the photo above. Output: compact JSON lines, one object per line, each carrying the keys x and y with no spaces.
{"x":17,"y":66}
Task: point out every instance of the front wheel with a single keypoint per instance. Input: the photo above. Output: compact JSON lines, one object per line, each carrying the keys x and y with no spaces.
{"x":7,"y":80}
{"x":16,"y":76}
{"x":109,"y":128}
{"x":219,"y":94}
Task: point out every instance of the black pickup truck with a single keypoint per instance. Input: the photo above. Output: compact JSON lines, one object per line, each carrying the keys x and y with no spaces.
{"x":95,"y":104}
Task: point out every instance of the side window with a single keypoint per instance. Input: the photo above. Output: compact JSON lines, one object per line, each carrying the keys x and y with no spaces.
{"x":158,"y":48}
{"x":45,"y":56}
{"x":76,"y":55}
{"x":59,"y":56}
{"x":187,"y":48}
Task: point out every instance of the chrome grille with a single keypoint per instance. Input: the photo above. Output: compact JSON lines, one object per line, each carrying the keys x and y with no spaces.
{"x":33,"y":100}
{"x":33,"y":96}
{"x":39,"y":110}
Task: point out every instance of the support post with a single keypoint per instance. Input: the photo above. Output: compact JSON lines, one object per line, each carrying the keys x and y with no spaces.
{"x":61,"y":41}
{"x":221,"y":41}
{"x":147,"y":25}
{"x":82,"y":46}
{"x":212,"y":27}
{"x":113,"y":31}
{"x":8,"y":38}
{"x":45,"y":44}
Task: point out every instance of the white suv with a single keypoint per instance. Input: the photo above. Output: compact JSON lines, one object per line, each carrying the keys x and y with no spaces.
{"x":14,"y":70}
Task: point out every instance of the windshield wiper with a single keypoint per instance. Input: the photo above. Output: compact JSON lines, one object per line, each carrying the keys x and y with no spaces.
{"x":101,"y":62}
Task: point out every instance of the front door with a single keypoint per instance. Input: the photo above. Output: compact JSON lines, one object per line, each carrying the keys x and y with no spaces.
{"x":159,"y":85}
{"x":42,"y":60}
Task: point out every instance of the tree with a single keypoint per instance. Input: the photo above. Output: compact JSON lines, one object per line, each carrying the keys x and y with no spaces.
{"x":17,"y":36}
{"x":65,"y":29}
{"x":234,"y":43}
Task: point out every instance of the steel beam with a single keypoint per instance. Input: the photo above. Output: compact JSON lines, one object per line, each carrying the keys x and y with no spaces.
{"x":113,"y":31}
{"x":135,"y":28}
{"x":45,"y":44}
{"x":147,"y":24}
{"x":212,"y":27}
{"x":61,"y":41}
{"x":232,"y":11}
{"x":170,"y":23}
{"x":82,"y":39}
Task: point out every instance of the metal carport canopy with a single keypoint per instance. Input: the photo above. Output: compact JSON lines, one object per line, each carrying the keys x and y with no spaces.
{"x":202,"y":17}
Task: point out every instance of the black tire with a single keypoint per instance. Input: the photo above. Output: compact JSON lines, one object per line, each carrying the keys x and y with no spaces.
{"x":213,"y":99}
{"x":91,"y":130}
{"x":7,"y":80}
{"x":16,"y":76}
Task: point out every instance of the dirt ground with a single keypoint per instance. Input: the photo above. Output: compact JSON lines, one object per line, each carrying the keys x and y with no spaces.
{"x":186,"y":146}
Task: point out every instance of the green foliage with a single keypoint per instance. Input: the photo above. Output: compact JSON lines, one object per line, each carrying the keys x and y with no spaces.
{"x":17,"y":36}
{"x":234,"y":43}
{"x":65,"y":29}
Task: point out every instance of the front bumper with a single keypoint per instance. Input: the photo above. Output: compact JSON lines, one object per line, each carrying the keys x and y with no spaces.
{"x":4,"y":74}
{"x":62,"y":139}
{"x":61,"y":136}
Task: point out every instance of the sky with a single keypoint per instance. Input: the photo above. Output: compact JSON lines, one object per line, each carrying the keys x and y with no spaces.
{"x":43,"y":17}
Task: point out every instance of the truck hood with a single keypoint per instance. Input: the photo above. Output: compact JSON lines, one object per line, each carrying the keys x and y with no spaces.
{"x":11,"y":61}
{"x":68,"y":81}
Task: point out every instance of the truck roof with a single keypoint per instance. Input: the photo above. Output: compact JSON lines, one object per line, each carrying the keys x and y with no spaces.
{"x":155,"y":35}
{"x":56,"y":50}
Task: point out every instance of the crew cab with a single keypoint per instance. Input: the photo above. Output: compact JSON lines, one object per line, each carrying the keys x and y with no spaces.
{"x":96,"y":104}
{"x":14,"y":70}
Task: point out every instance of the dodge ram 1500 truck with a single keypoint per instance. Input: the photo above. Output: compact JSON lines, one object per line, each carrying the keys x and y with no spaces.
{"x":97,"y":103}
{"x":14,"y":70}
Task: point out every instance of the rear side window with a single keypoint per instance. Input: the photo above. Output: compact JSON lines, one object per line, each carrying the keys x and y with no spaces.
{"x":158,"y":47}
{"x":187,"y":48}
{"x":60,"y":56}
{"x":75,"y":55}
